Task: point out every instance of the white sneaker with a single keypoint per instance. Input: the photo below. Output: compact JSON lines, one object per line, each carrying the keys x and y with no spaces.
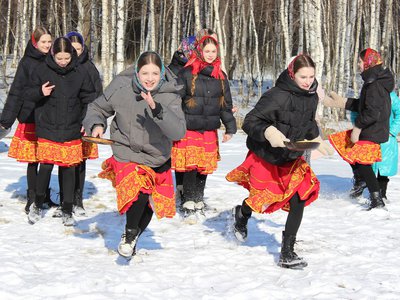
{"x":189,"y":205}
{"x":58,"y":212}
{"x":79,"y":211}
{"x":127,"y":246}
{"x":35,"y":214}
{"x":199,"y":205}
{"x":68,"y":219}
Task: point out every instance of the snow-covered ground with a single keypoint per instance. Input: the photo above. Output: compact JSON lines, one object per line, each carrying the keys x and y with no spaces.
{"x":352,"y":253}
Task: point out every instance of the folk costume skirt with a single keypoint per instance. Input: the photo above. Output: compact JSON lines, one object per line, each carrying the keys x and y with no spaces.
{"x":89,"y":150}
{"x":129,"y":179}
{"x":23,"y":145}
{"x":362,"y":152}
{"x":271,"y":187}
{"x":65,"y":154}
{"x":196,"y":151}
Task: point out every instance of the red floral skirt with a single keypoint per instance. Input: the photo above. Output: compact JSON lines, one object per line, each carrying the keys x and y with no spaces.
{"x":129,"y":179}
{"x":64,"y":154}
{"x":23,"y":145}
{"x":89,"y":150}
{"x":196,"y":151}
{"x":271,"y":187}
{"x":362,"y":152}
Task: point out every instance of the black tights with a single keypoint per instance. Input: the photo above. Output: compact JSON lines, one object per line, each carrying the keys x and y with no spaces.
{"x":294,"y":218}
{"x":139,"y":214}
{"x":67,"y":186}
{"x":368,"y":175}
{"x":80,"y":173}
{"x":31,"y":175}
{"x":194,"y":184}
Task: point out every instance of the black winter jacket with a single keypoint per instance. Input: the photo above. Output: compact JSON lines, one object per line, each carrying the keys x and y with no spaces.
{"x":58,"y":116}
{"x":207,"y":114}
{"x":16,"y":105}
{"x":291,"y":110}
{"x":374,"y":105}
{"x":178,"y":62}
{"x":94,"y":74}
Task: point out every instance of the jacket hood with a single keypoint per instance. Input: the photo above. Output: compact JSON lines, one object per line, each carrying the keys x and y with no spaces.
{"x":179,"y":59}
{"x":288,"y":84}
{"x":33,"y":52}
{"x":84,"y":57}
{"x":60,"y":70}
{"x":383,"y":76}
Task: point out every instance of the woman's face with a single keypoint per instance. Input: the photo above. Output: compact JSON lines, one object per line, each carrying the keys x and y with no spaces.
{"x":62,"y":59}
{"x":44,"y":43}
{"x":149,"y":76}
{"x":210,"y":53}
{"x":78,"y":47}
{"x":304,"y":77}
{"x":360,"y":65}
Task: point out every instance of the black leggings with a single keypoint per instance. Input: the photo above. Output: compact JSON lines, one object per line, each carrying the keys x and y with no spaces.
{"x":139,"y":214}
{"x":368,"y":175}
{"x":294,"y":218}
{"x":67,"y":186}
{"x":194,"y":184}
{"x":31,"y":175}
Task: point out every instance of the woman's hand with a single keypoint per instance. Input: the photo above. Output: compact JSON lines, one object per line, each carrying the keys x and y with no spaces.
{"x":98,"y":131}
{"x":47,"y":88}
{"x":226,"y":137}
{"x":149,"y":99}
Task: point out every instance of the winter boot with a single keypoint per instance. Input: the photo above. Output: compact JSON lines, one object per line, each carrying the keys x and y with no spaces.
{"x":383,"y":182}
{"x":48,"y":203}
{"x":66,"y":215}
{"x":30,"y":198}
{"x":127,"y":246}
{"x":189,"y":212}
{"x":240,"y":225}
{"x":375,"y":201}
{"x":288,"y":258}
{"x":78,"y":204}
{"x":35,"y":211}
{"x":358,"y":185}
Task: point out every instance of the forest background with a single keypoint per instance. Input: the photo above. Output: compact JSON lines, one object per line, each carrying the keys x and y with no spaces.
{"x":257,"y":37}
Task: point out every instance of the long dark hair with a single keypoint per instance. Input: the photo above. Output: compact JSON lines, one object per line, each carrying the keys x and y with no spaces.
{"x":303,"y":60}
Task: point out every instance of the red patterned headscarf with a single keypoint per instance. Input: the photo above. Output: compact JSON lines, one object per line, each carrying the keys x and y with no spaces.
{"x":197,"y":62}
{"x":291,"y":66}
{"x":371,"y":59}
{"x":34,"y":43}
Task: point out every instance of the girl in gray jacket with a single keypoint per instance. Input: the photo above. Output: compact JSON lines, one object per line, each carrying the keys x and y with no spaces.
{"x":147,"y":118}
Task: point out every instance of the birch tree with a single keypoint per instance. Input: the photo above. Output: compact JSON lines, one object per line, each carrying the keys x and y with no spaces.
{"x":197,"y":15}
{"x":105,"y":45}
{"x":6,"y":43}
{"x":120,"y":47}
{"x":175,"y":17}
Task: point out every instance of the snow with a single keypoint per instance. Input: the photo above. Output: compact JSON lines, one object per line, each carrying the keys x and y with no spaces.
{"x":352,"y":253}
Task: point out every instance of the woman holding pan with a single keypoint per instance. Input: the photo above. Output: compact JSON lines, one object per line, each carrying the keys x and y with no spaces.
{"x":278,"y":177}
{"x":148,"y":116}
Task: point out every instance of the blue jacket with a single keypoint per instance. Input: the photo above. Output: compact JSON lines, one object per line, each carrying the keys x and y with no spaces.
{"x":388,"y":165}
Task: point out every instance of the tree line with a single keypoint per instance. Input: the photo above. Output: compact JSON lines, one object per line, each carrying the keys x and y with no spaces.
{"x":257,"y":36}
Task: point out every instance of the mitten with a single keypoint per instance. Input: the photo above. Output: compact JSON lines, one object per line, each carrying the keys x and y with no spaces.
{"x":275,"y":137}
{"x":334,"y":100}
{"x":324,"y":148}
{"x":355,"y":135}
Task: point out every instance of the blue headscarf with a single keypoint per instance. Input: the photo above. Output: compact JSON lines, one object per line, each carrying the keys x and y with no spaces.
{"x":136,"y":77}
{"x":77,"y":34}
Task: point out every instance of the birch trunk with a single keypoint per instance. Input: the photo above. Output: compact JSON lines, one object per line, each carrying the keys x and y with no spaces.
{"x":6,"y":43}
{"x":387,"y":33}
{"x":34,"y":14}
{"x":374,"y":18}
{"x":175,"y":17}
{"x":255,"y":49}
{"x":283,"y":11}
{"x":152,"y":27}
{"x":105,"y":45}
{"x":143,"y":26}
{"x":64,"y":17}
{"x":301,"y":27}
{"x":197,"y":15}
{"x":221,"y":39}
{"x":120,"y":51}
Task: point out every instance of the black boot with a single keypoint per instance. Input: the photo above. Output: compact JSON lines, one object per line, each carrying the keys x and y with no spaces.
{"x":383,"y":182}
{"x":78,"y":209}
{"x":375,"y":201}
{"x":288,"y":258}
{"x":240,"y":225}
{"x":127,"y":246}
{"x":30,"y":198}
{"x":35,"y":211}
{"x":48,"y":203}
{"x":358,"y":185}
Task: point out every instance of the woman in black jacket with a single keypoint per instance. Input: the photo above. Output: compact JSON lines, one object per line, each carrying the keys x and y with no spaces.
{"x":90,"y":150}
{"x":276,"y":177}
{"x":206,"y":103}
{"x":24,"y":143}
{"x":360,"y":147}
{"x":60,"y":87}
